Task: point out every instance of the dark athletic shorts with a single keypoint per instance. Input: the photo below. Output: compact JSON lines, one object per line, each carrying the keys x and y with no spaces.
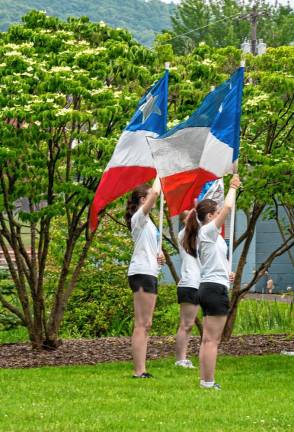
{"x":188,"y":295}
{"x":214,"y":299}
{"x":147,"y":282}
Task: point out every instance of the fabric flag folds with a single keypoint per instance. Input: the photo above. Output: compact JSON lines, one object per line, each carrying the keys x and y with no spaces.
{"x":201,"y":149}
{"x":213,"y":190}
{"x":132,"y":163}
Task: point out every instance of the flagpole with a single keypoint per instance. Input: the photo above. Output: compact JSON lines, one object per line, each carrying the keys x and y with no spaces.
{"x":160,"y":222}
{"x":232,"y":228}
{"x":233,"y":211}
{"x":161,"y":208}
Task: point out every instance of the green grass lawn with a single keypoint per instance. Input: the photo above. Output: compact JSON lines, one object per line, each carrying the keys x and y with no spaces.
{"x":257,"y":395}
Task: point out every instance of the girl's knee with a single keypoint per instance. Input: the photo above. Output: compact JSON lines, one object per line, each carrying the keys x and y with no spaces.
{"x":144,"y":325}
{"x":187,"y":326}
{"x":210,"y":339}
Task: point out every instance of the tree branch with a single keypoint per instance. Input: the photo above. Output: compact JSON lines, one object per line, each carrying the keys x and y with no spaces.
{"x":284,"y":247}
{"x":13,"y":309}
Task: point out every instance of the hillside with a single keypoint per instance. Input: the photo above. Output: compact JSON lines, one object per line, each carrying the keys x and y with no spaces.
{"x":142,"y":18}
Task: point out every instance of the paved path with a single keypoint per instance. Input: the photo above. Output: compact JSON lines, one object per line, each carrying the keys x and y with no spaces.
{"x":283,"y":298}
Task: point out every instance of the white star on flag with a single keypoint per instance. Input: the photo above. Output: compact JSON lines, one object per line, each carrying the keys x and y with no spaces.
{"x":149,"y":107}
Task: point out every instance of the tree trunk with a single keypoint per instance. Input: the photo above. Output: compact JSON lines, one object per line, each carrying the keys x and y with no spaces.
{"x":229,"y":327}
{"x":236,"y":295}
{"x":65,"y":290}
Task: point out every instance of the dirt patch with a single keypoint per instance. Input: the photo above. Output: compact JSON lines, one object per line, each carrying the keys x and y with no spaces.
{"x":92,"y":351}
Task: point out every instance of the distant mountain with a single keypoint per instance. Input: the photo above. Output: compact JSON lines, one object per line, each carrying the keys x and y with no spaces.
{"x":142,"y":18}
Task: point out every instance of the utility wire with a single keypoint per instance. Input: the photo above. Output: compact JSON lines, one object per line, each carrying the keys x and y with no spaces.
{"x":203,"y":27}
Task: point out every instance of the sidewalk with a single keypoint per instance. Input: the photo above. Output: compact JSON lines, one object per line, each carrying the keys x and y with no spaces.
{"x":283,"y":298}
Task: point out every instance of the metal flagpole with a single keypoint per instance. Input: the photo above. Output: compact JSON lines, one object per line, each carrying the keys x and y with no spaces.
{"x":232,"y":228}
{"x":160,"y":222}
{"x":233,"y":211}
{"x":166,"y":65}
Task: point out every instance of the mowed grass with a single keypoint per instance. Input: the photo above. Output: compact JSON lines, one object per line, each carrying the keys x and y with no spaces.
{"x":257,"y":395}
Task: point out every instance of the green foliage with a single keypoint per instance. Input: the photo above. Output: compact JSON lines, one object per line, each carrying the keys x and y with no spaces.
{"x":262,"y":317}
{"x":220,"y":24}
{"x":267,"y":144}
{"x":8,"y":321}
{"x":14,"y":335}
{"x":142,"y":19}
{"x":102,"y":305}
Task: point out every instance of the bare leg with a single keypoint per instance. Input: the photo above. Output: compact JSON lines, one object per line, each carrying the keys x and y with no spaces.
{"x":188,"y":314}
{"x":144,"y":304}
{"x":212,"y":332}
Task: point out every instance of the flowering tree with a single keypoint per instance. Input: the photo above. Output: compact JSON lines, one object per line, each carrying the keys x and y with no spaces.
{"x":67,"y":90}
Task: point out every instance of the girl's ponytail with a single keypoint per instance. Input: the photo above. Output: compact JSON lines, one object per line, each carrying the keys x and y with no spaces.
{"x":133,"y":202}
{"x":191,"y":232}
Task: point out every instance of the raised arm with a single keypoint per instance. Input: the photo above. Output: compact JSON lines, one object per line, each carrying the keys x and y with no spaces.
{"x":229,"y":201}
{"x":152,"y":196}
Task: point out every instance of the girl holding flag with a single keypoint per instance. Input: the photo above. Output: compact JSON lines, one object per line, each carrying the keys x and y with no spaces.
{"x":215,"y":280}
{"x":143,"y":269}
{"x":203,"y":231}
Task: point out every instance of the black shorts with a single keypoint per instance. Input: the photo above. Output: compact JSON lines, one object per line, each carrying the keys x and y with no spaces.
{"x":214,"y":299}
{"x":147,"y":282}
{"x":188,"y":295}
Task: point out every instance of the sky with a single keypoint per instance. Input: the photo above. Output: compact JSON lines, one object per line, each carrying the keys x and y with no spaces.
{"x":284,"y":2}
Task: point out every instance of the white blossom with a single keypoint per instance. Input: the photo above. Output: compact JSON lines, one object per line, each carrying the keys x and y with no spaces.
{"x":255,"y":101}
{"x":13,"y":53}
{"x":63,"y":111}
{"x":70,"y":42}
{"x":60,"y":69}
{"x":27,"y":74}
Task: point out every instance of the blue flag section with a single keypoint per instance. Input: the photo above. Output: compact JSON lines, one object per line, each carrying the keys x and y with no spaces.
{"x":205,"y":189}
{"x":226,"y":126}
{"x":151,"y":112}
{"x":131,"y":163}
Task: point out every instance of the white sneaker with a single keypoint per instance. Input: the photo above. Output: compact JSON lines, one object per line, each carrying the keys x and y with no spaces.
{"x":215,"y":386}
{"x":185,"y":364}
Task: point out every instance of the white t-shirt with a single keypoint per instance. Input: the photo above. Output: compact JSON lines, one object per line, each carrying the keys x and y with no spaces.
{"x":213,"y":255}
{"x":144,"y":233}
{"x":190,"y":269}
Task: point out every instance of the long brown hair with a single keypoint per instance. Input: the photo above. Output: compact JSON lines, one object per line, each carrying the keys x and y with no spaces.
{"x":192,"y":224}
{"x":133,"y":202}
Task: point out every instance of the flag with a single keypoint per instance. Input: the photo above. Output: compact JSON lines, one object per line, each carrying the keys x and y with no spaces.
{"x":201,"y":149}
{"x":132,"y":163}
{"x":213,"y":190}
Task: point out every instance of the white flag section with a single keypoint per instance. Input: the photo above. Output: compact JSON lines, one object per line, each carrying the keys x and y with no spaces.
{"x":201,"y":149}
